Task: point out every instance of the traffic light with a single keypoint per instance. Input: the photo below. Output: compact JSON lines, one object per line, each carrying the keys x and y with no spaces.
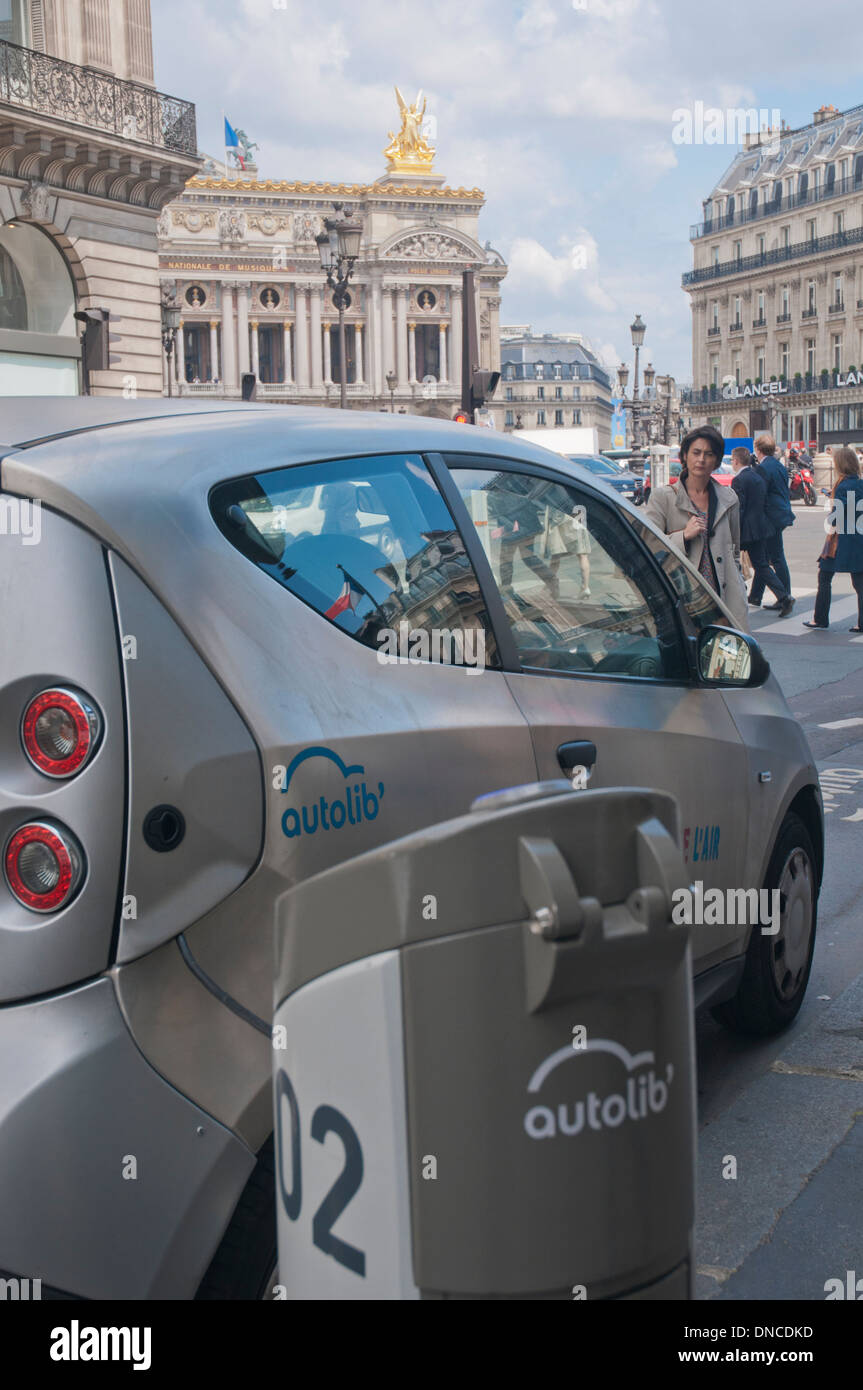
{"x":95,"y":339}
{"x":461,"y":417}
{"x":482,"y":385}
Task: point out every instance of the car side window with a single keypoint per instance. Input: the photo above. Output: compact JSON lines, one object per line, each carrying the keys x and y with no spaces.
{"x":371,"y":545}
{"x":579,"y":594}
{"x":698,"y":600}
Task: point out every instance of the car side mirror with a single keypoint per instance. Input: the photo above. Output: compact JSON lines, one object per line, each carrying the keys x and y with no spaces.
{"x":728,"y":657}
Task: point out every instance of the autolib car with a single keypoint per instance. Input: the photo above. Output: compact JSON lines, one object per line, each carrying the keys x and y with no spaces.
{"x":219,"y":680}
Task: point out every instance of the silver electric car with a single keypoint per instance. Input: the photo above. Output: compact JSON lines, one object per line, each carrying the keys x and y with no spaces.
{"x":240,"y":643}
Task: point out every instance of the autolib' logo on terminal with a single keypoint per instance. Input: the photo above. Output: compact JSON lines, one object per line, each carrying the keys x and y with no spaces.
{"x":357,"y":804}
{"x":643,"y":1095}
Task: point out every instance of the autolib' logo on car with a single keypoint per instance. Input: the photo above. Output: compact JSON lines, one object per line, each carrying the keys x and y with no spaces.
{"x":357,"y":804}
{"x":643,"y":1094}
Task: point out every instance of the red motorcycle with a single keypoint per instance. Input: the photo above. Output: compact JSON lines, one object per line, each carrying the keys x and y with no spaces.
{"x":801,"y":485}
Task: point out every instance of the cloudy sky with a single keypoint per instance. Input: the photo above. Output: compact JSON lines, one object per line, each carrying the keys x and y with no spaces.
{"x":562,"y":111}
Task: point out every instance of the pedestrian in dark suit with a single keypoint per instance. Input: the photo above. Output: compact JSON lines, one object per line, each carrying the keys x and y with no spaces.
{"x":843,"y":549}
{"x":755,"y":529}
{"x":779,"y":514}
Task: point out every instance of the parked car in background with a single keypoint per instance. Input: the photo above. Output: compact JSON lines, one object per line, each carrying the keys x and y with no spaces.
{"x":612,"y":474}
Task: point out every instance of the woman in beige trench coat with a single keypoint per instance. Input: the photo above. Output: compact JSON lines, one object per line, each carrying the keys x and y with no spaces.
{"x":702,"y":518}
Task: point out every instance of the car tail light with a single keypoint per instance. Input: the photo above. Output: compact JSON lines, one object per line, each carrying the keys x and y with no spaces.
{"x":43,"y":865}
{"x":60,"y":731}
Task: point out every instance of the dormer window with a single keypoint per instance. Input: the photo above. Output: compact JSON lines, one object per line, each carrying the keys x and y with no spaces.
{"x":538,"y":371}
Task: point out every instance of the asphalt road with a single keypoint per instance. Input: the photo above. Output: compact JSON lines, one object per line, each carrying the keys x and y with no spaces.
{"x":790,"y":1110}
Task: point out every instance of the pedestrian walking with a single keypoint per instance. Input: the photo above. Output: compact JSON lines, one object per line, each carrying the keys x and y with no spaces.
{"x":843,"y":548}
{"x":702,"y":519}
{"x":779,"y":513}
{"x":755,"y":529}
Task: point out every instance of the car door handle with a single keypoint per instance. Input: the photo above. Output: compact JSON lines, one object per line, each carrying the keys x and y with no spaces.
{"x":581,"y":754}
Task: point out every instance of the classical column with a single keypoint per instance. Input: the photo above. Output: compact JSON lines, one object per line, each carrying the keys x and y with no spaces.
{"x":289,"y":371}
{"x":412,"y":353}
{"x":243,"y":326}
{"x":442,"y":376}
{"x":388,"y":362}
{"x":180,"y":355}
{"x":455,"y":339}
{"x":328,"y":362}
{"x":256,"y":349}
{"x":301,"y":341}
{"x":358,"y":340}
{"x":373,"y":341}
{"x":402,"y":334}
{"x":214,"y":349}
{"x":493,"y":302}
{"x":229,"y":345}
{"x":315,"y":332}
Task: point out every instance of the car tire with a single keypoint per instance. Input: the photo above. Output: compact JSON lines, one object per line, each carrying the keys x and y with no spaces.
{"x":777,"y":967}
{"x":244,"y":1266}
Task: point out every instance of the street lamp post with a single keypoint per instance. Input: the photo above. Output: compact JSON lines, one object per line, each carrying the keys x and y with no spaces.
{"x":339,"y":248}
{"x":170,"y":323}
{"x":638,"y":329}
{"x":392,"y":379}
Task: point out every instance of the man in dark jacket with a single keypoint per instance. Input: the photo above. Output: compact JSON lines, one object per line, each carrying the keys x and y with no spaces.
{"x":779,"y":515}
{"x":755,"y":529}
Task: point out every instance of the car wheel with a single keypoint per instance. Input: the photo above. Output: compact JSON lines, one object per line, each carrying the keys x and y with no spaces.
{"x":777,"y":967}
{"x":245,"y":1264}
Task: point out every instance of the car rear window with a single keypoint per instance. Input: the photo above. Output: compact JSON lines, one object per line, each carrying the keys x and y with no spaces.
{"x":371,"y":545}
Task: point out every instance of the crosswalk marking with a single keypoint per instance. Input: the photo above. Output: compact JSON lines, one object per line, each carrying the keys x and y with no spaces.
{"x":840,"y":610}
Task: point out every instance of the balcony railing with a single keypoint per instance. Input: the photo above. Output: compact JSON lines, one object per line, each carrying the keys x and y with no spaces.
{"x":783,"y":318}
{"x":852,"y":183}
{"x":837,"y":308}
{"x":714,"y":330}
{"x":760,"y":322}
{"x":810,"y":313}
{"x":736,"y":326}
{"x":95,"y":100}
{"x":797,"y":386}
{"x":780,"y":256}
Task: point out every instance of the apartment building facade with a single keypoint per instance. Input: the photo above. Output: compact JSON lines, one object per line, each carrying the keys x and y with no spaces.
{"x":776,"y":287}
{"x":551,"y":381}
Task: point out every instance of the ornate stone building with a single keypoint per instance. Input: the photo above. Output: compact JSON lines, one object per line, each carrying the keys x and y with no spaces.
{"x":777,"y":286}
{"x":554,"y":381}
{"x":240,"y":254}
{"x":89,"y":154}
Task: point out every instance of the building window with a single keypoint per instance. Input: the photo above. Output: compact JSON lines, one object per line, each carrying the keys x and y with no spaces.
{"x":738,"y":250}
{"x":538,"y":371}
{"x":810,"y":228}
{"x":786,"y":302}
{"x":759,"y":367}
{"x":786,"y":238}
{"x":837,"y":290}
{"x":428,"y":350}
{"x":714,"y":255}
{"x":838,"y":223}
{"x":196,"y":353}
{"x":13,"y":22}
{"x":271,"y":352}
{"x":737,"y":367}
{"x":558,"y":393}
{"x":836,"y":351}
{"x":558,"y":417}
{"x":714,"y":372}
{"x":810,"y":356}
{"x":576,"y":393}
{"x":714,"y":314}
{"x":508,"y":418}
{"x":761,"y":245}
{"x":509,"y":395}
{"x":737,"y":304}
{"x":810,"y":296}
{"x":540,"y":417}
{"x":783,"y":359}
{"x":557,"y":371}
{"x":760,"y":302}
{"x":576,"y":417}
{"x":540,"y":393}
{"x":509,"y":372}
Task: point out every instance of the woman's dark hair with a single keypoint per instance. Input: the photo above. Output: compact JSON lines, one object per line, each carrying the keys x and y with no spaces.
{"x":714,"y":439}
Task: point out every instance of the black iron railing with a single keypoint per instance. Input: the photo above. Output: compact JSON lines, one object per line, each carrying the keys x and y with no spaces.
{"x":782,"y":254}
{"x":95,"y":100}
{"x":796,"y":386}
{"x":774,"y":206}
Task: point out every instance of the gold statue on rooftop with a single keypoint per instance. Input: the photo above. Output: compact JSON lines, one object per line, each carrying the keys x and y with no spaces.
{"x":409,"y":151}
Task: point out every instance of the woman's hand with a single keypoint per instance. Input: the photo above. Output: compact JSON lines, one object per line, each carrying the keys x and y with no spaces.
{"x":695,"y":526}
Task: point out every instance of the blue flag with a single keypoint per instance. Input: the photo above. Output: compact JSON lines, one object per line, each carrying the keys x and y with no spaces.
{"x":230,"y":136}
